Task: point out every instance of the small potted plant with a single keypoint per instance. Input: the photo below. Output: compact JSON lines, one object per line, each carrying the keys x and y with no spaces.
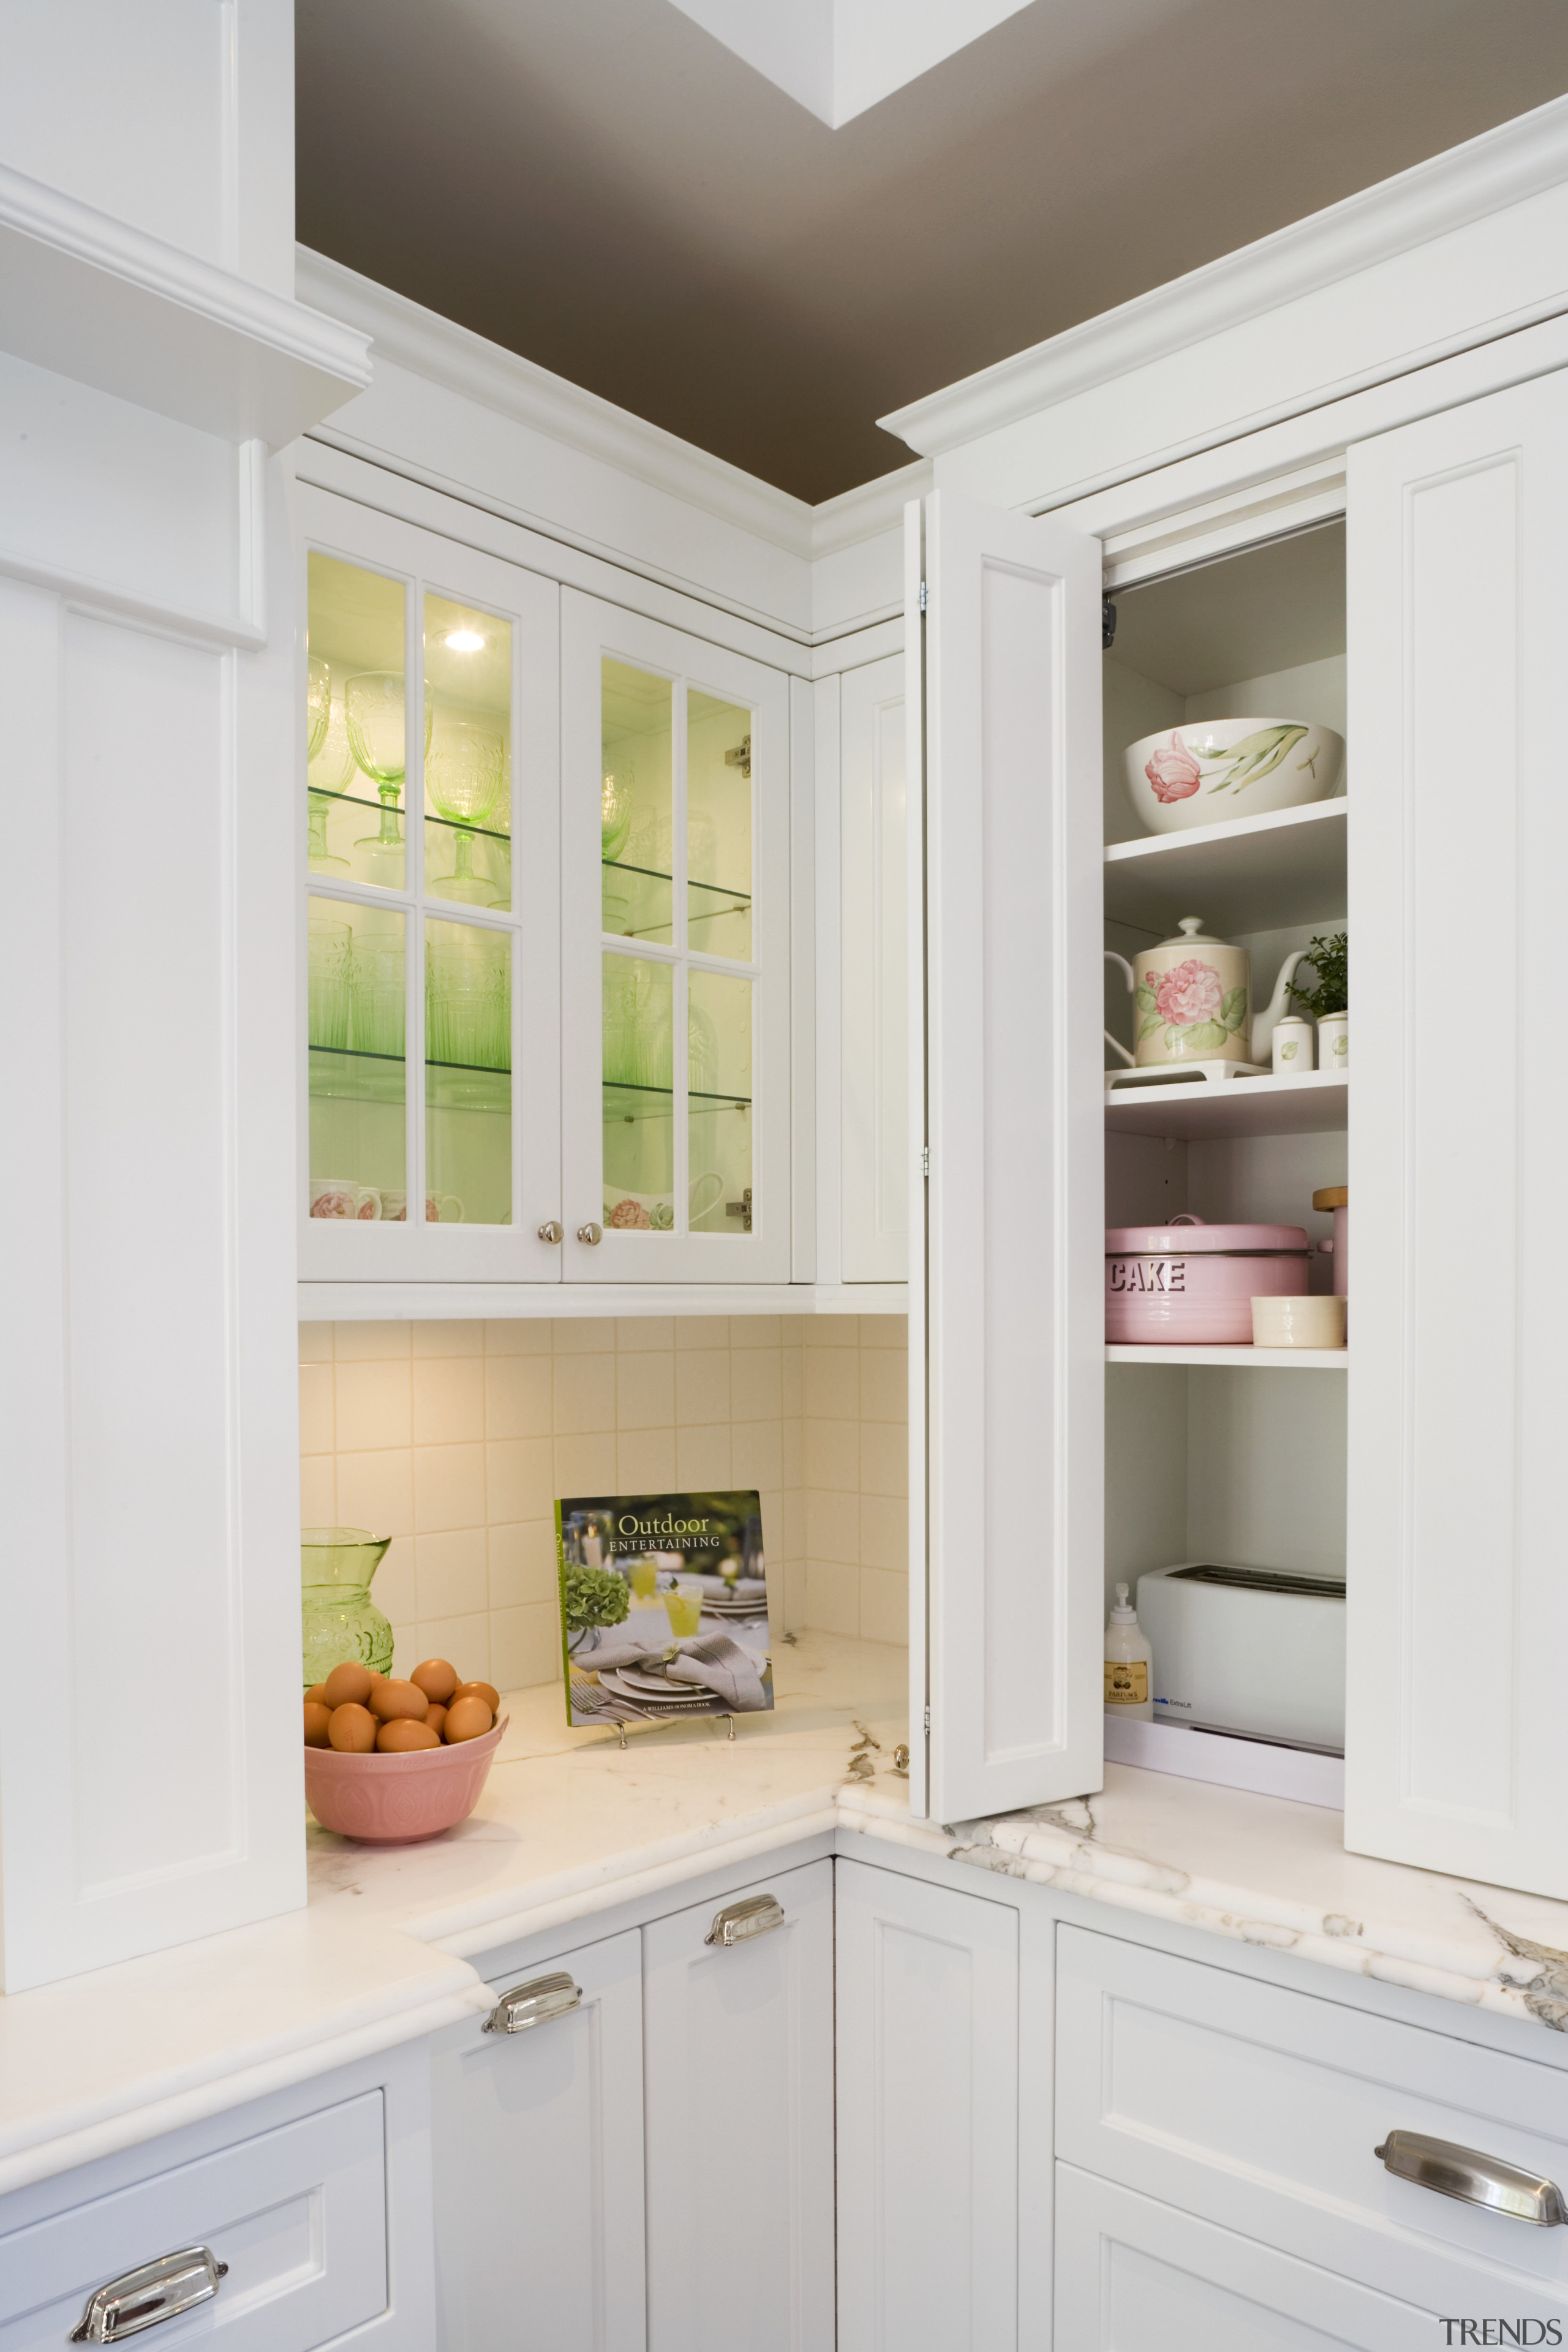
{"x":592,"y":1597}
{"x":1329,"y":1003}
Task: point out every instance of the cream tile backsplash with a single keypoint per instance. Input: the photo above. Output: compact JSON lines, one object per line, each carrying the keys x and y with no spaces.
{"x":455,"y":1438}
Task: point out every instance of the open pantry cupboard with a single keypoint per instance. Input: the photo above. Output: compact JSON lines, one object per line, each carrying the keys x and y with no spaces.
{"x":1410,"y":595}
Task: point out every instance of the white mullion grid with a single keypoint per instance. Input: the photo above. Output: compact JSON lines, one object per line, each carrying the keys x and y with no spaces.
{"x":413,"y":872}
{"x":680,"y":1072}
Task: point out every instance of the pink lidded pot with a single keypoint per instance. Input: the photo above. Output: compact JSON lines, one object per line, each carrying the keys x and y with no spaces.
{"x":1191,"y":1285}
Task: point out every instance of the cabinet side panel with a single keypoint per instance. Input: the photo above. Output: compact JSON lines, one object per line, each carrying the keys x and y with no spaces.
{"x":874,"y":1110}
{"x":1016,"y":1206}
{"x":1456,"y":1397}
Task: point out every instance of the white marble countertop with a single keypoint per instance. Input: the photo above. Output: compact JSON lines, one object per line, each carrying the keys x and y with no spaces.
{"x":570,"y":1824}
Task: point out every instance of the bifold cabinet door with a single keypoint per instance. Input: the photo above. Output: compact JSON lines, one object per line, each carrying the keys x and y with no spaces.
{"x":675,"y":974}
{"x":538,"y":2160}
{"x":1006,"y":1281}
{"x":927,"y":2062}
{"x":739,"y":2041}
{"x":1457,"y":1737}
{"x":1133,"y":2274}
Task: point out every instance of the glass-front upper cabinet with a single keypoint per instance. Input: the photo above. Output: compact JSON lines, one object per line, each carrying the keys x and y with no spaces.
{"x":675,"y":895}
{"x":431,"y":1139}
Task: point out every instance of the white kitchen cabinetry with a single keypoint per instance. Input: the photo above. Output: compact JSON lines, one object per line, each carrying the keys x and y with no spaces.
{"x":538,"y":2158}
{"x":928,"y":2093}
{"x":676,"y":955}
{"x":738,"y":2042}
{"x":871,"y":929}
{"x":1457,"y":1742}
{"x":1132,"y":2272}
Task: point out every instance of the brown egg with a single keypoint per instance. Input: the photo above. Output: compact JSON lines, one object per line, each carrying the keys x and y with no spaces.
{"x":375,"y":1676}
{"x":351,"y":1729}
{"x":317,"y":1696}
{"x":437,"y":1679}
{"x":346,"y":1685}
{"x":316,"y":1719}
{"x":396,"y":1737}
{"x":393,"y":1700}
{"x":436,"y":1718}
{"x":467,"y":1718}
{"x":487,"y":1691}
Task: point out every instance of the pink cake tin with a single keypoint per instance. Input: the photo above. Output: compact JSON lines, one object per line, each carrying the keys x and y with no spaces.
{"x":1191,"y":1285}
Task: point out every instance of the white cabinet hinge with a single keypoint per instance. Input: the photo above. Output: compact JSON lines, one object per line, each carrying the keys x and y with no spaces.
{"x":925,"y":1159}
{"x":922,"y":596}
{"x":928,"y":1723}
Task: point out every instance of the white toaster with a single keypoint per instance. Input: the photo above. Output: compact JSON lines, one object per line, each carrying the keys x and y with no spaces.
{"x":1254,"y":1651}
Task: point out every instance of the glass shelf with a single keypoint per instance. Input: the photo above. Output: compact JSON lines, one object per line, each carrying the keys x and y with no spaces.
{"x":630,"y":1103}
{"x":380,"y":1077}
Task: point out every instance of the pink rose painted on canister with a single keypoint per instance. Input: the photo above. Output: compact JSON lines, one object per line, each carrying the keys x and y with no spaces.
{"x":1190,"y":992}
{"x":1191,"y":1285}
{"x":1174,"y":774}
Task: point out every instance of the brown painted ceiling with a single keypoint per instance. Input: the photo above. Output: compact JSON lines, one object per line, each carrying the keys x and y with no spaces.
{"x":603,"y":187}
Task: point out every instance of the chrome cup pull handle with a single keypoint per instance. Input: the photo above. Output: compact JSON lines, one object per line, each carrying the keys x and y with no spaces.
{"x":534,"y":2003}
{"x":146,"y":2297}
{"x":1450,"y":2171}
{"x":739,"y":1921}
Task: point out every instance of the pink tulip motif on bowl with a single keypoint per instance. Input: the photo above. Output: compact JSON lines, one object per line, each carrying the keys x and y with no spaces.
{"x":1174,"y":774}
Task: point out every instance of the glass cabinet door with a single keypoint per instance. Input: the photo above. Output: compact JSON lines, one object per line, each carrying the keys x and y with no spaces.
{"x":676,"y":969}
{"x":432,"y":1059}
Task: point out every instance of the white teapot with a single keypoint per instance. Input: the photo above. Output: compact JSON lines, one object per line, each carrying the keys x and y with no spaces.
{"x":1192,"y":997}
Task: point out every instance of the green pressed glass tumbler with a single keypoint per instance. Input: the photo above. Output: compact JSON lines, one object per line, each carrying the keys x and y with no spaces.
{"x":340,"y":1622}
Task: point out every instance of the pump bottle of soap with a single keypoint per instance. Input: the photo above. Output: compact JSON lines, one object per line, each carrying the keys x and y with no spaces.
{"x":1129,"y":1663}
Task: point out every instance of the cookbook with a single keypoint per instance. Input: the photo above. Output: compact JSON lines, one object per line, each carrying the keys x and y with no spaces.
{"x":664,"y":1606}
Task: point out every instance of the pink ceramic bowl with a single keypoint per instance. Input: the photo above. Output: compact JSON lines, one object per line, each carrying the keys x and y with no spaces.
{"x":393,"y":1800}
{"x":1188,"y":1284}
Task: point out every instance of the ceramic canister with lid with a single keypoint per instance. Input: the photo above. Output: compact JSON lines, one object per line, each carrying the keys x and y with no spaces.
{"x":1192,"y":997}
{"x":1191,"y":1285}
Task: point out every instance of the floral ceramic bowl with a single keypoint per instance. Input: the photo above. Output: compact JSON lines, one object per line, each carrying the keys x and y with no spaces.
{"x":395,"y":1800}
{"x":1216,"y":769}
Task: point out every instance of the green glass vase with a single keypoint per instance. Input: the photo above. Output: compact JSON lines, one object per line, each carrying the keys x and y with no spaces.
{"x":340,"y":1622}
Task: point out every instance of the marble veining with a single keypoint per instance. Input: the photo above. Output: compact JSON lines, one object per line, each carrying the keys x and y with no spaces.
{"x":392,"y":1942}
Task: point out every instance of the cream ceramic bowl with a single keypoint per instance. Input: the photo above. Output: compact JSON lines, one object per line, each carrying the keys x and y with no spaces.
{"x":1216,"y":769}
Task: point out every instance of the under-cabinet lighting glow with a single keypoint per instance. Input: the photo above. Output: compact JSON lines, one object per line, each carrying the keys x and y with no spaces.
{"x":465,"y":641}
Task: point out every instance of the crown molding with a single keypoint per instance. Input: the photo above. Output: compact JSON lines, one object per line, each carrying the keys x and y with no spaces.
{"x":443,"y":353}
{"x":101,"y":302}
{"x":1503,"y":167}
{"x":410,"y":336}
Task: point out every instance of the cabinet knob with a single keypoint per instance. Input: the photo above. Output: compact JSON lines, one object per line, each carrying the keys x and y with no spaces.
{"x":1477,"y":2180}
{"x":145,"y":2297}
{"x":740,"y":1920}
{"x":534,"y":2003}
{"x":592,"y":1234}
{"x":551,"y":1232}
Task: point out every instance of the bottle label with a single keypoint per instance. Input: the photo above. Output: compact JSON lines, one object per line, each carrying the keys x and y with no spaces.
{"x":1126,"y":1681}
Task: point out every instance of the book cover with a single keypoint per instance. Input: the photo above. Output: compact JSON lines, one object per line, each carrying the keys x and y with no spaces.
{"x":664,"y":1606}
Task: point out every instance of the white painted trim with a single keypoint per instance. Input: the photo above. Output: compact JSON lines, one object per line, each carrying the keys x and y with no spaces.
{"x":453,"y":357}
{"x":397,"y":1302}
{"x":1503,"y":167}
{"x":95,"y":299}
{"x":83,"y":595}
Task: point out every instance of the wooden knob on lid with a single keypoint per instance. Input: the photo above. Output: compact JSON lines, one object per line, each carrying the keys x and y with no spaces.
{"x":1333,"y":1196}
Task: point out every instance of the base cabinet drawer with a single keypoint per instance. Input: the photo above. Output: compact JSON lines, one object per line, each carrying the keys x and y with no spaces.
{"x":298,"y":2215}
{"x":1260,"y":2108}
{"x":738,"y":2043}
{"x":1133,"y":2274}
{"x":537,"y":2157}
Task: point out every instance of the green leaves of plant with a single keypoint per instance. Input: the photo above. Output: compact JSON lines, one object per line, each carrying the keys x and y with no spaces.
{"x":1331,"y":960}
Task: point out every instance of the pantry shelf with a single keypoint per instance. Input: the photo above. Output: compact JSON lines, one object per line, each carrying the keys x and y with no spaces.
{"x":1256,"y":1360}
{"x":1252,"y":874}
{"x":1204,"y":1112}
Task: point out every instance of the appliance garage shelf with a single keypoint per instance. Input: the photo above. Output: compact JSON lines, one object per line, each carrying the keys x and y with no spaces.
{"x":1204,"y":1111}
{"x":1258,"y":1359}
{"x":1250,"y":873}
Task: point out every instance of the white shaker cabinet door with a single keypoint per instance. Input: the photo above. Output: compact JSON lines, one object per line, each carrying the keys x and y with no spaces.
{"x":874,"y":1107}
{"x":927,"y":2015}
{"x":1005,"y":1292}
{"x":538,"y":2162}
{"x":740,"y":2124}
{"x":1457,"y":1738}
